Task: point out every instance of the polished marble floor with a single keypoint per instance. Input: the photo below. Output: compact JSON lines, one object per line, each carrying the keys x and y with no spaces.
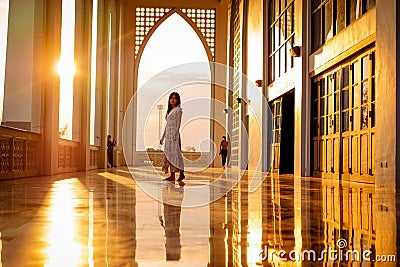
{"x":104,"y":218}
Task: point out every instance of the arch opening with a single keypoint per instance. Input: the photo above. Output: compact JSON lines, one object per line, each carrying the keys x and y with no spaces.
{"x":173,"y":43}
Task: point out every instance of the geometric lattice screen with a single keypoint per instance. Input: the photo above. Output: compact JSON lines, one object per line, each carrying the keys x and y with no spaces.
{"x":147,"y":17}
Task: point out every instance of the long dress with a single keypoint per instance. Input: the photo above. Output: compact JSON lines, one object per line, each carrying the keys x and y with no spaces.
{"x":172,"y":146}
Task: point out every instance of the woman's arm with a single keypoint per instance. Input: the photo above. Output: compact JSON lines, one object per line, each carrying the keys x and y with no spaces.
{"x":178,"y":122}
{"x":163,"y":137}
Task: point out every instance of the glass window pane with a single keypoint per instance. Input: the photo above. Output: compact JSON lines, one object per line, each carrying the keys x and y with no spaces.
{"x":329,"y":84}
{"x":322,"y":88}
{"x":345,"y":121}
{"x":355,"y":77}
{"x":271,"y":12}
{"x":315,"y":90}
{"x":364,"y":117}
{"x":373,"y":84}
{"x":315,"y":127}
{"x":341,"y":15}
{"x":322,"y":106}
{"x":292,"y":18}
{"x":356,"y":101}
{"x":345,"y":99}
{"x":337,"y":121}
{"x":336,"y":107}
{"x":337,"y":81}
{"x":364,"y":92}
{"x":283,"y":5}
{"x":315,"y":4}
{"x":368,"y":4}
{"x":66,"y":75}
{"x":316,"y":30}
{"x":354,"y":10}
{"x":356,"y":119}
{"x":345,"y":76}
{"x":373,"y":64}
{"x":4,"y":10}
{"x":373,"y":115}
{"x":328,"y":20}
{"x":329,"y":105}
{"x":365,"y":67}
{"x":322,"y":126}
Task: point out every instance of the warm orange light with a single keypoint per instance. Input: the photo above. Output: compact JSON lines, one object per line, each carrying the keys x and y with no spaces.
{"x":63,"y":248}
{"x":65,"y":68}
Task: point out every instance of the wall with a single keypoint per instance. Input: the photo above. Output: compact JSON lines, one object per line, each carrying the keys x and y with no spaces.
{"x":255,"y":72}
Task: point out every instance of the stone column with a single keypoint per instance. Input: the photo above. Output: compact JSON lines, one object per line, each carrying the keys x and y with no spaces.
{"x":302,"y":92}
{"x":82,"y":82}
{"x":387,"y":160}
{"x":101,"y":79}
{"x":51,"y":92}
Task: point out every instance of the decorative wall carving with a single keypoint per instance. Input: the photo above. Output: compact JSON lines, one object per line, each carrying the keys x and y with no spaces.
{"x":19,"y":153}
{"x":148,"y":17}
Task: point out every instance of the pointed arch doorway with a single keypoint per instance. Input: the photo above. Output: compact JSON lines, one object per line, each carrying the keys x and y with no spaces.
{"x":182,"y":36}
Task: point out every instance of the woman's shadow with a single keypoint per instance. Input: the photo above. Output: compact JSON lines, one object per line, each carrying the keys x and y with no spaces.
{"x":172,"y":198}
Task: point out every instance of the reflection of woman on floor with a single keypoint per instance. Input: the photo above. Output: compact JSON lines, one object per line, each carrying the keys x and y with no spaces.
{"x":172,"y":148}
{"x":172,"y":201}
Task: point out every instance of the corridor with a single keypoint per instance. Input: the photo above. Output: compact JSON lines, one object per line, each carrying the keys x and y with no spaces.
{"x":102,"y":218}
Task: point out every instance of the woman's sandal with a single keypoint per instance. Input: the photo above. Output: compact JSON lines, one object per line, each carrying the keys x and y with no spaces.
{"x":170,"y":179}
{"x":181,"y":177}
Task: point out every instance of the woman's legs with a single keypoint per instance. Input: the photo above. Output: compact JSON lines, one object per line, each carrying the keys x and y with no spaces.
{"x":224,"y":153}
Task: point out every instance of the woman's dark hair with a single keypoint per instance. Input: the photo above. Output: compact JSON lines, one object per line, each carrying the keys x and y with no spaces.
{"x":224,"y":137}
{"x":178,"y":100}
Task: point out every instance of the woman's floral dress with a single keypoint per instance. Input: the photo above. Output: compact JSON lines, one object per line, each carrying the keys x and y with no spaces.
{"x":172,"y":145}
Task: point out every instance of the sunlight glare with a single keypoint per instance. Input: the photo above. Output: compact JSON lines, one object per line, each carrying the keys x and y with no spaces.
{"x":66,"y":69}
{"x":63,"y":250}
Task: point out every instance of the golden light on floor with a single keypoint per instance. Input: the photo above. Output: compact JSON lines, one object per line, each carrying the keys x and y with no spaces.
{"x":63,"y":247}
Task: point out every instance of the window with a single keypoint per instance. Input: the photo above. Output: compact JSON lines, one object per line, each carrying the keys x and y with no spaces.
{"x":281,"y":37}
{"x":3,"y":47}
{"x":344,"y":100}
{"x":330,"y":17}
{"x":343,"y":117}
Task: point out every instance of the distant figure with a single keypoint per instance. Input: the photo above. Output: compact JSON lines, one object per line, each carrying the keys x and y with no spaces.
{"x":172,"y":149}
{"x":223,"y":150}
{"x":110,"y":151}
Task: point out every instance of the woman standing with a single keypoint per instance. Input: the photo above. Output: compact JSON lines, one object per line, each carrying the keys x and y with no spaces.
{"x":172,"y":149}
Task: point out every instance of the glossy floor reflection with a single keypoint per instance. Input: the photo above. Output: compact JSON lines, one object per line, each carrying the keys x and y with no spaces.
{"x":102,"y":218}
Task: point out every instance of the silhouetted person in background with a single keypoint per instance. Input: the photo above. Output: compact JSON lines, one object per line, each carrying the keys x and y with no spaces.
{"x":223,"y":150}
{"x":110,"y":150}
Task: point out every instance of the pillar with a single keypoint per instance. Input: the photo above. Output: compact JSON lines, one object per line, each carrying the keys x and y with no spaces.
{"x":101,"y":80}
{"x":51,"y":92}
{"x":82,"y":81}
{"x":387,"y":154}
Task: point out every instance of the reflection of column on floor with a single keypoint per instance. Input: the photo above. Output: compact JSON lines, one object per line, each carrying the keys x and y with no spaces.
{"x":218,"y":246}
{"x":386,"y":223}
{"x":239,"y":220}
{"x":115,"y":224}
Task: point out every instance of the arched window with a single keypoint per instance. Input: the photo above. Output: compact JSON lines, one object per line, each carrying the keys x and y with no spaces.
{"x":173,"y":43}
